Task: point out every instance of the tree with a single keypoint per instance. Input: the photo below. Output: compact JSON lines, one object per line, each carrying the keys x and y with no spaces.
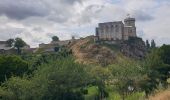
{"x":55,"y":38}
{"x":12,"y":65}
{"x":19,"y":43}
{"x":126,"y":76}
{"x":60,"y":79}
{"x":147,"y":44}
{"x":153,"y":44}
{"x":102,"y":76}
{"x":165,"y":54}
{"x":10,"y":42}
{"x":158,"y":64}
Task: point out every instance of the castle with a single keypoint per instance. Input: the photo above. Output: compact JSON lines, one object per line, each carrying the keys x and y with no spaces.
{"x":116,"y":30}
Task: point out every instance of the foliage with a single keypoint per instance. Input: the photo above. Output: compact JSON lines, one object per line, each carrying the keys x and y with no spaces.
{"x":16,"y":43}
{"x":158,"y":68}
{"x":22,"y":89}
{"x":147,"y":44}
{"x":66,"y":76}
{"x":10,"y":42}
{"x":165,"y":54}
{"x":153,"y":44}
{"x":126,"y":75}
{"x":19,"y":43}
{"x":5,"y":95}
{"x":12,"y":65}
{"x":136,"y":96}
{"x":56,"y":49}
{"x":56,"y":76}
{"x":57,"y":80}
{"x":92,"y":93}
{"x":55,"y":38}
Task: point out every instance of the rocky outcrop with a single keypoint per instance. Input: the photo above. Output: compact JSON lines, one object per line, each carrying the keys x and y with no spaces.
{"x":134,"y":48}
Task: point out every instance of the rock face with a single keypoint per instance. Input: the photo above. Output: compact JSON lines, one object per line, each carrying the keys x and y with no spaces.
{"x":134,"y":48}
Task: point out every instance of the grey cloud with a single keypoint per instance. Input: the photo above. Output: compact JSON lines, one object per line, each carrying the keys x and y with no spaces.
{"x":142,"y":16}
{"x":90,"y":13}
{"x":71,"y":1}
{"x":9,"y":33}
{"x":95,"y":8}
{"x":38,"y":29}
{"x":21,"y":9}
{"x":60,"y":17}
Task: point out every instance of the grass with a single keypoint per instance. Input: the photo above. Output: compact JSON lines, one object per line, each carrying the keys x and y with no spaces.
{"x":133,"y":96}
{"x":92,"y":93}
{"x":136,"y":96}
{"x":114,"y":96}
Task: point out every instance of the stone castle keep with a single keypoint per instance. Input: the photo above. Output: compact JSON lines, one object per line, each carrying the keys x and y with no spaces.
{"x":116,"y":30}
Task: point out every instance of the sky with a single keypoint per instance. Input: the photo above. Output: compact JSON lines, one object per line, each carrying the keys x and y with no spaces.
{"x":36,"y":21}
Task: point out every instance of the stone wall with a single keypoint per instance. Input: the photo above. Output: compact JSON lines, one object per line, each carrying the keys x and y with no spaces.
{"x":110,"y":31}
{"x":116,"y":30}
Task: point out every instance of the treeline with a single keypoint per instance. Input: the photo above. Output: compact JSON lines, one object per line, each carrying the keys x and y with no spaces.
{"x":57,"y":76}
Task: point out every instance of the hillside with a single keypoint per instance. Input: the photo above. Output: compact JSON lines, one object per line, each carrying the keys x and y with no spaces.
{"x":87,"y":51}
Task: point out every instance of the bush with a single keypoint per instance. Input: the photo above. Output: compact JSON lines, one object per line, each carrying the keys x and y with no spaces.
{"x":12,"y":65}
{"x":61,"y":79}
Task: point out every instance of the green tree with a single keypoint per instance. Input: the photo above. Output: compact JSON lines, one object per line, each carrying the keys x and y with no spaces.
{"x":126,"y":75}
{"x":12,"y":65}
{"x":101,"y":76}
{"x":60,"y":79}
{"x":153,"y":44}
{"x":10,"y":42}
{"x":147,"y":44}
{"x":19,"y":43}
{"x":55,"y":38}
{"x":165,"y":54}
{"x":65,"y":79}
{"x":158,"y":68}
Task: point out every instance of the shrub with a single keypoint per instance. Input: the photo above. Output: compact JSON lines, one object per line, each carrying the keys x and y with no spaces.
{"x":12,"y":65}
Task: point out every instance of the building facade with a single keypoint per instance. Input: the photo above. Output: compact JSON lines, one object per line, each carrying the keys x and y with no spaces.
{"x":116,"y":30}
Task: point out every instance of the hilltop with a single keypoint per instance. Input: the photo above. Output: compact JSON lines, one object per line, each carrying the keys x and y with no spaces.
{"x":87,"y":50}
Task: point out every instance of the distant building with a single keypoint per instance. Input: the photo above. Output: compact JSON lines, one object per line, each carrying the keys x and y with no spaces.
{"x":51,"y":46}
{"x":116,"y":30}
{"x":5,"y":49}
{"x":4,"y":46}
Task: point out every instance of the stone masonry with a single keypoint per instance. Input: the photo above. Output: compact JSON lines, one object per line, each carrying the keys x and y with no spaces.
{"x":116,"y":30}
